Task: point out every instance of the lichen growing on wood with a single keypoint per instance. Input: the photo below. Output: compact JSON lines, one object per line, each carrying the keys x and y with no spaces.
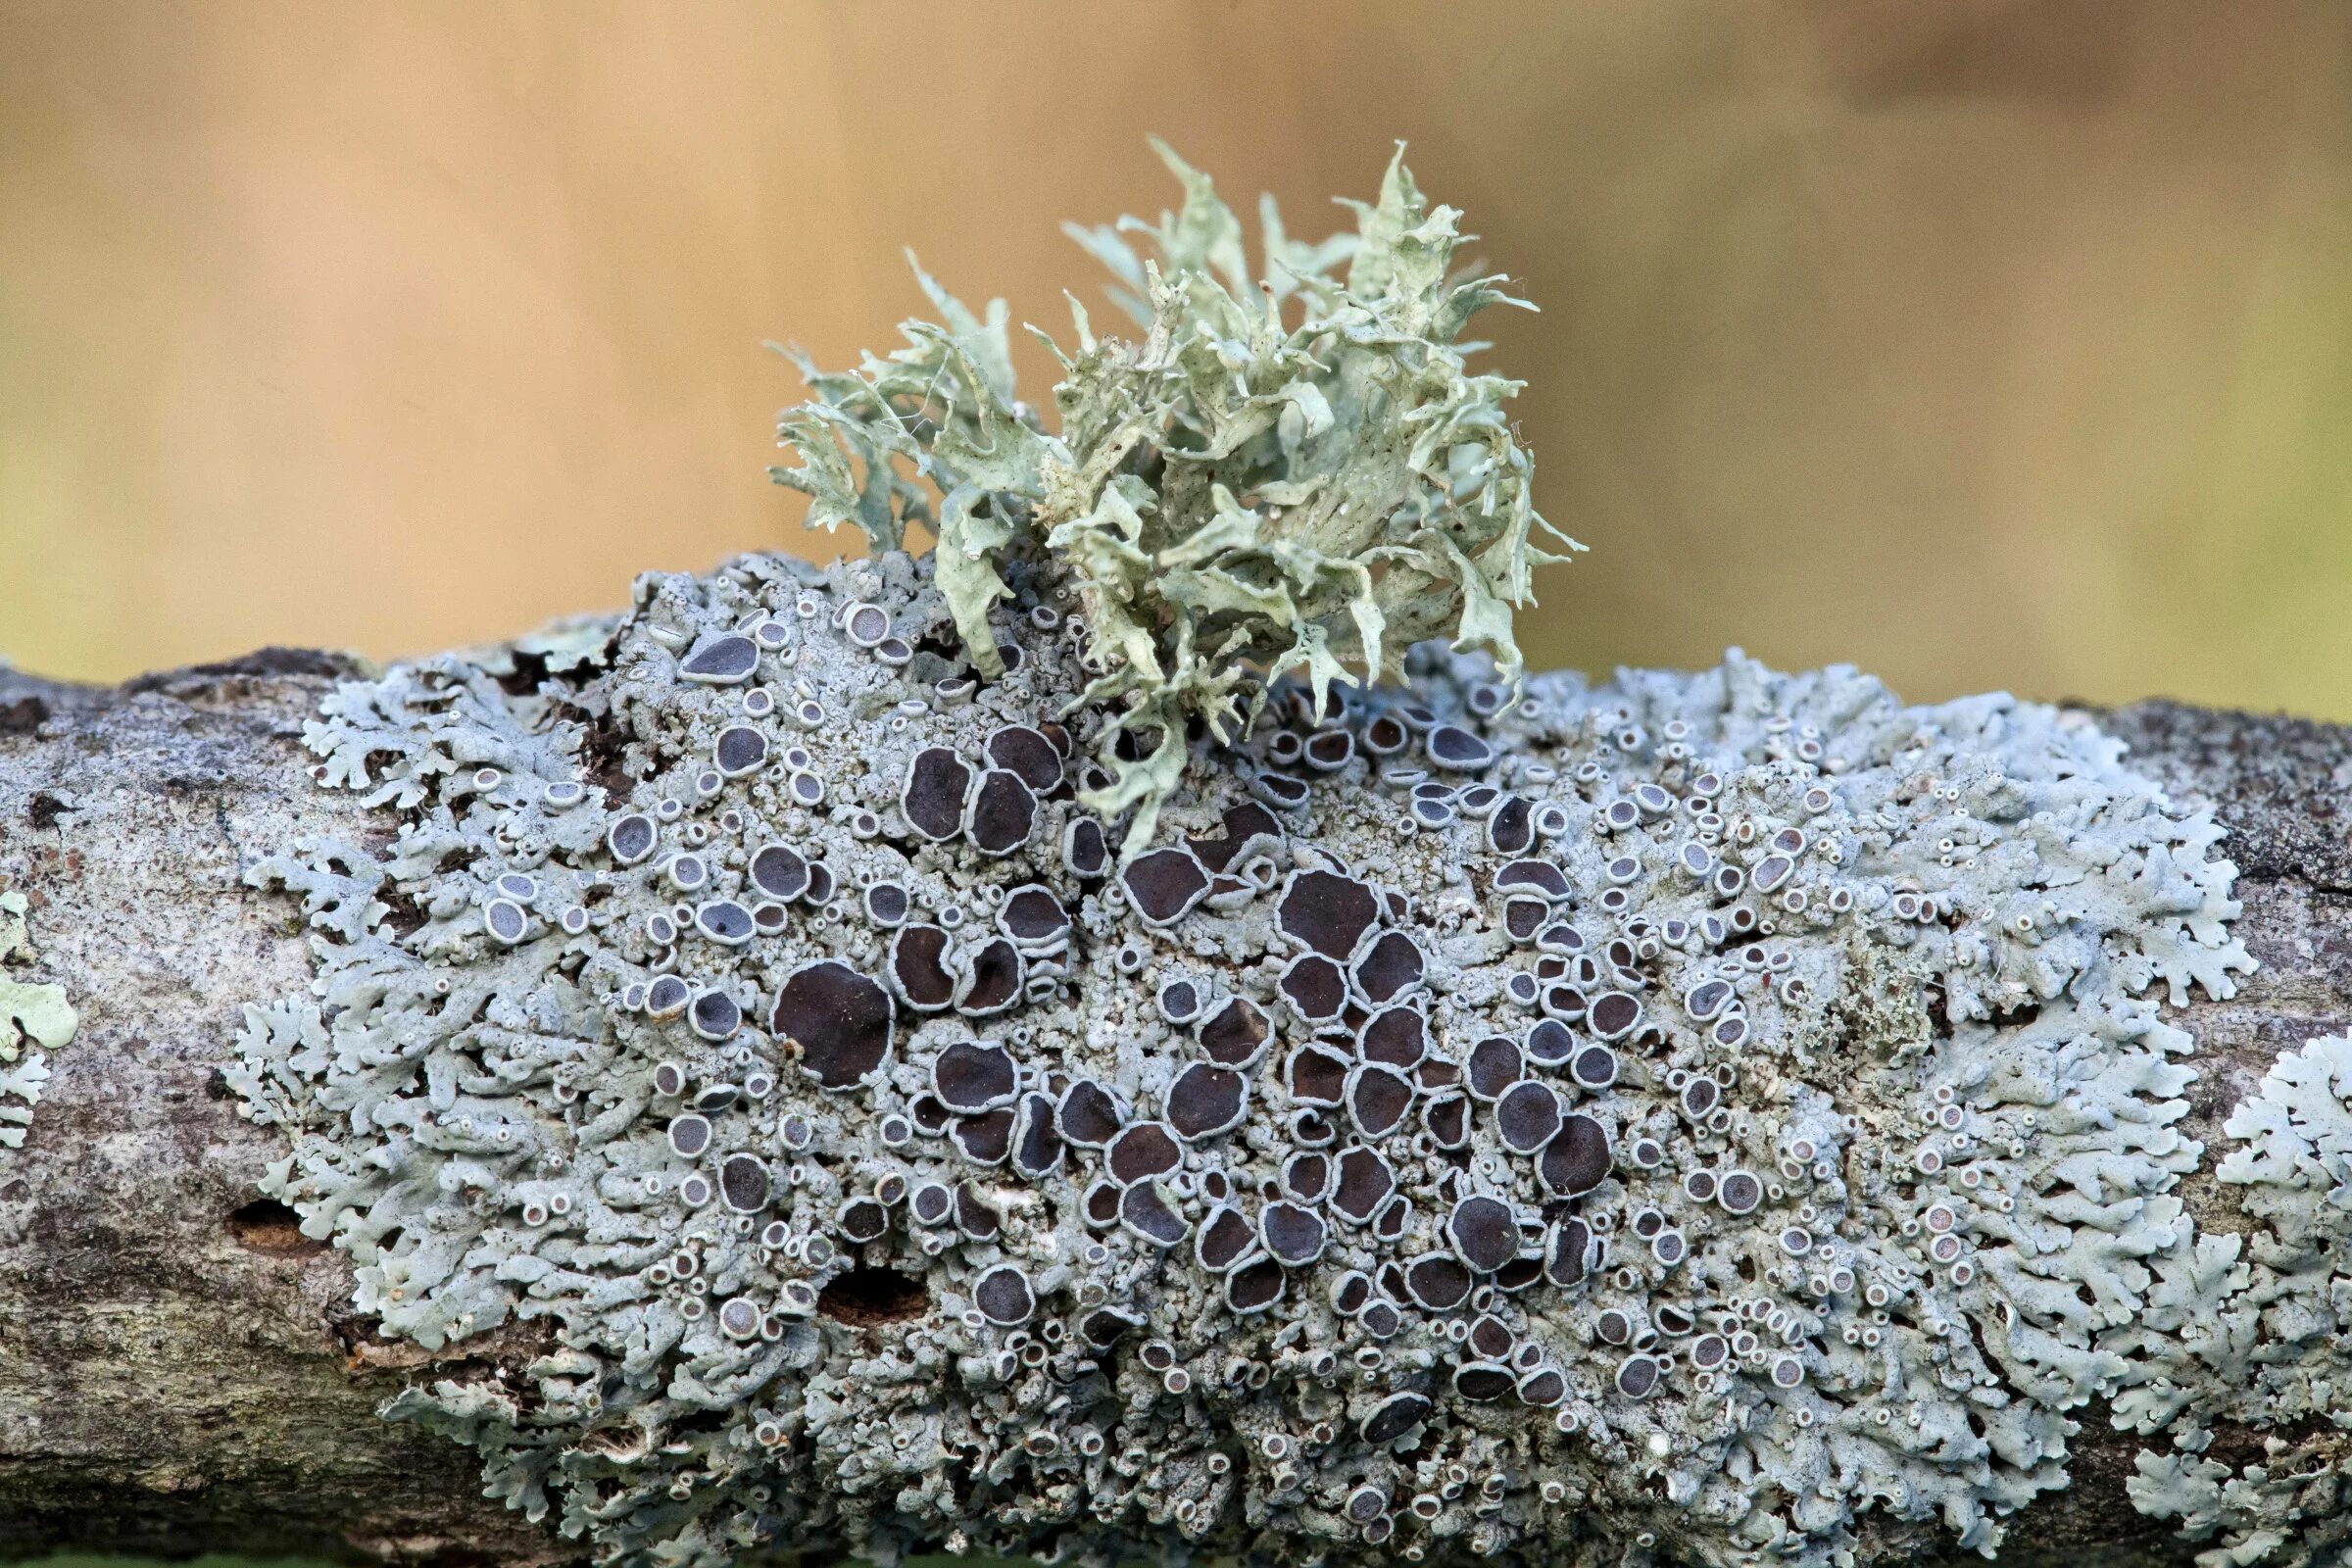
{"x":35,"y":1019}
{"x":1691,"y":1112}
{"x":1691,"y":1118}
{"x":2251,"y":1329}
{"x":1291,"y":471}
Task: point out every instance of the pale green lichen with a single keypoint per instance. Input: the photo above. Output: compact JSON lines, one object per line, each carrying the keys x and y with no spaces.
{"x":2289,"y":1507}
{"x":31,"y":1014}
{"x":1292,"y":473}
{"x":1690,"y":1120}
{"x":747,"y":993}
{"x":2247,"y":1330}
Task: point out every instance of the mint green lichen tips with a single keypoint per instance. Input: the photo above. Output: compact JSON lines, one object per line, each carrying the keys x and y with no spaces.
{"x":37,"y":1015}
{"x":1295,"y":474}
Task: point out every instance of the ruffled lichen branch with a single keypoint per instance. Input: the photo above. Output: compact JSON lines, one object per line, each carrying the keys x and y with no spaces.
{"x":1292,"y":473}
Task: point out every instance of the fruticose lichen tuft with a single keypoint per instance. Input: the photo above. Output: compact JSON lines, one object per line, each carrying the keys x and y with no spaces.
{"x":1291,"y":473}
{"x":1677,"y":1118}
{"x":35,"y":1018}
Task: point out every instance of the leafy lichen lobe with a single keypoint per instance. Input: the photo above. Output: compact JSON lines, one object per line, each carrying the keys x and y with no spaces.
{"x":35,"y":1019}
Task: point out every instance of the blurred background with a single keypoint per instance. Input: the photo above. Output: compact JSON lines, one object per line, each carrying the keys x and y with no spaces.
{"x":1983,"y":344}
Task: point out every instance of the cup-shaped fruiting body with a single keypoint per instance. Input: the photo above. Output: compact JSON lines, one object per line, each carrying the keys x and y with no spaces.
{"x":1743,"y":1104}
{"x":1292,"y":471}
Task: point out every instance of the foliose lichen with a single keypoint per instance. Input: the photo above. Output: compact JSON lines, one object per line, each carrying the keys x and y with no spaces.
{"x":1293,"y":471}
{"x":1676,"y":1117}
{"x":1105,"y":1037}
{"x":2254,"y":1336}
{"x":35,"y":1019}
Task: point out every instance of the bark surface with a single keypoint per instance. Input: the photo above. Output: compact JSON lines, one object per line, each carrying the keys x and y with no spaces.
{"x":180,"y":1371}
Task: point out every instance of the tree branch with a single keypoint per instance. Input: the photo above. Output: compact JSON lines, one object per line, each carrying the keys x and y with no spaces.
{"x":180,"y":1370}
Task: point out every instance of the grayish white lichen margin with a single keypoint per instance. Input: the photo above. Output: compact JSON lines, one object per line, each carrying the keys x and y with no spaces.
{"x":35,"y":1019}
{"x":2251,"y":1331}
{"x":1792,"y":1134}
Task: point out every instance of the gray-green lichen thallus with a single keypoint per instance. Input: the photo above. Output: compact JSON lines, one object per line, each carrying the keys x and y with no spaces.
{"x":1695,"y":1109}
{"x":35,"y":1019}
{"x":1007,"y":1052}
{"x":2254,"y":1331}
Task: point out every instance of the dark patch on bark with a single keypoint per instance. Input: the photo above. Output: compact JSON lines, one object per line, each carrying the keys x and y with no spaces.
{"x":404,"y":916}
{"x":266,"y":1225}
{"x":604,"y":752}
{"x":262,"y":662}
{"x":868,"y":1298}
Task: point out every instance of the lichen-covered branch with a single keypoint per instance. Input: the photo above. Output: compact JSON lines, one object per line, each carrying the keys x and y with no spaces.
{"x":1102,"y":1042}
{"x":181,"y":1369}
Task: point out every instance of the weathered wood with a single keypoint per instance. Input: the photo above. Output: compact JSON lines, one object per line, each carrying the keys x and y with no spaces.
{"x":180,"y":1371}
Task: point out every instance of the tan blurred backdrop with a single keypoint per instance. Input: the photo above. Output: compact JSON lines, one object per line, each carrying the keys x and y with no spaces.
{"x":1983,"y":344}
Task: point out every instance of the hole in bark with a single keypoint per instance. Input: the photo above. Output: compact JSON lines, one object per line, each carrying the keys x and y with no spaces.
{"x":1937,"y":1018}
{"x":525,"y":679}
{"x":403,"y":915}
{"x":604,"y":752}
{"x":266,"y":1225}
{"x":864,"y":1298}
{"x":2017,"y":1018}
{"x":456,"y":1557}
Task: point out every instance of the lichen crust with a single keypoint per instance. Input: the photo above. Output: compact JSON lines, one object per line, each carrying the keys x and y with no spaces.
{"x":2251,"y":1329}
{"x":35,"y":1019}
{"x":1696,"y":1116}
